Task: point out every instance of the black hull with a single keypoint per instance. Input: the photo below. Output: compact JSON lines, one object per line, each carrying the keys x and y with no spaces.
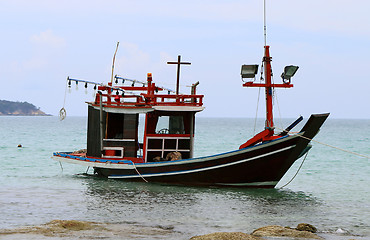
{"x":259,"y":166}
{"x":254,"y":168}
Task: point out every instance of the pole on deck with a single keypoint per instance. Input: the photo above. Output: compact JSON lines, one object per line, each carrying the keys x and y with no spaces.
{"x":101,"y":123}
{"x":191,"y":134}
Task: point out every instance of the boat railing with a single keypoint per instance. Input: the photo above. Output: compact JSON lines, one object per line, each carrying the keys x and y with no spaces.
{"x":159,"y":145}
{"x":149,"y":100}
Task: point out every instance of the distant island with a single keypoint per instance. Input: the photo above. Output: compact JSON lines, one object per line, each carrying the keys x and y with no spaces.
{"x":9,"y":108}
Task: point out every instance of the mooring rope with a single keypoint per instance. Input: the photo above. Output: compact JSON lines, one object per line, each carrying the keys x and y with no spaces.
{"x":325,"y":144}
{"x":295,"y":173}
{"x":337,"y":148}
{"x":138,"y":171}
{"x":255,"y":118}
{"x":60,"y":163}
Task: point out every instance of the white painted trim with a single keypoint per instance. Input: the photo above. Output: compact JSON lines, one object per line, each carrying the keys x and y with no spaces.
{"x":179,"y":108}
{"x":152,"y":137}
{"x":118,"y":140}
{"x":169,"y":150}
{"x":122,"y":109}
{"x":204,"y":169}
{"x":113,"y":148}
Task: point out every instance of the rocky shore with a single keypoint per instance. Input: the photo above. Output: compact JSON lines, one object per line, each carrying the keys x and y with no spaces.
{"x":73,"y":229}
{"x":303,"y":230}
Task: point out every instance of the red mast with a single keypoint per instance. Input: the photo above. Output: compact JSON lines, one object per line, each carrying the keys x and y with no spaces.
{"x":268,"y":133}
{"x":268,"y":85}
{"x":269,"y":124}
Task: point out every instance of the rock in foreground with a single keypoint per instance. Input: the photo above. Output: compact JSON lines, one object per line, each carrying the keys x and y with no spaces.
{"x":279,"y":231}
{"x":306,"y":227}
{"x":226,"y":236}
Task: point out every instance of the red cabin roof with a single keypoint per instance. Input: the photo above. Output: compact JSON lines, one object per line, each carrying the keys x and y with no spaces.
{"x":146,"y":98}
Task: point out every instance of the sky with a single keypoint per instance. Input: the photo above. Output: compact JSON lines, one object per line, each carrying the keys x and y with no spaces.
{"x":45,"y":41}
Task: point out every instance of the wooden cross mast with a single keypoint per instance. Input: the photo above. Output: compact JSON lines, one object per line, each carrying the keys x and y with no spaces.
{"x":178,"y":71}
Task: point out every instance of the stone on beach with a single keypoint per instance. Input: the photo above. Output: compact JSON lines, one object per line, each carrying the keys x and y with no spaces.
{"x":56,"y":227}
{"x":279,"y":231}
{"x":226,"y":236}
{"x":74,"y":229}
{"x":306,"y":227}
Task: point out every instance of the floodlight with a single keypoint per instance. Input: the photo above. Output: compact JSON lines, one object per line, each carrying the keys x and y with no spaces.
{"x":249,"y":71}
{"x":289,"y":72}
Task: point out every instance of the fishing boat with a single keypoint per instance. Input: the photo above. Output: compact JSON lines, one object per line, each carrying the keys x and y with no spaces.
{"x":164,"y":154}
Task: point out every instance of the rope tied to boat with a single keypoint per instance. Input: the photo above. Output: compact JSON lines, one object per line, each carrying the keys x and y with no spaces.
{"x":138,"y":171}
{"x":328,"y":145}
{"x":295,"y":173}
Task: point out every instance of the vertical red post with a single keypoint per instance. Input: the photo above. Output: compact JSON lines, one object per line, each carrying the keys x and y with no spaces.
{"x":268,"y":90}
{"x":149,"y":80}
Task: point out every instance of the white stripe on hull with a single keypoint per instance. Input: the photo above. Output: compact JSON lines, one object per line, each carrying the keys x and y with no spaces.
{"x":111,"y":165}
{"x":200,"y":169}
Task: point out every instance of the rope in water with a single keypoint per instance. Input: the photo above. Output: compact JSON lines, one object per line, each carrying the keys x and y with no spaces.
{"x":60,"y":163}
{"x":138,"y":171}
{"x":341,"y":149}
{"x":296,"y":172}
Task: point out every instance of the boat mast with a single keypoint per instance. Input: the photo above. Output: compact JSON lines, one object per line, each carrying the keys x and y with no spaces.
{"x":268,"y":85}
{"x":269,"y":124}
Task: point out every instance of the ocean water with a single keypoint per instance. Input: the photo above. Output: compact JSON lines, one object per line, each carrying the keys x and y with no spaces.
{"x":331,"y":190}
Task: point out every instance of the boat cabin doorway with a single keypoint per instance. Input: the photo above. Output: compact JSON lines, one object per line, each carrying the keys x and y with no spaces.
{"x":120,"y":134}
{"x":168,"y":136}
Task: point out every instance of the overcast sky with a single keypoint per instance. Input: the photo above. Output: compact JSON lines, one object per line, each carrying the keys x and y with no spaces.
{"x":43,"y":42}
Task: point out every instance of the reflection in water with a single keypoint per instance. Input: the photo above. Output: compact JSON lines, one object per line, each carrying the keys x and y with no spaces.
{"x":196,"y":210}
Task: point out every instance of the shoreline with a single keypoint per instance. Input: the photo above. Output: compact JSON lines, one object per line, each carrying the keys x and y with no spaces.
{"x":71,"y":229}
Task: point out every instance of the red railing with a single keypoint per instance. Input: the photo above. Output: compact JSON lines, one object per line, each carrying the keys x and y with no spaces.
{"x":146,"y":96}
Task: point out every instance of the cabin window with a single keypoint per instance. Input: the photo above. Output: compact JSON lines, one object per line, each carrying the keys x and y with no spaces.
{"x":115,"y":126}
{"x":170,"y":125}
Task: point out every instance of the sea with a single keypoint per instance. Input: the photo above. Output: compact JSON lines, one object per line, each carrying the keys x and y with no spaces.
{"x":330,"y":191}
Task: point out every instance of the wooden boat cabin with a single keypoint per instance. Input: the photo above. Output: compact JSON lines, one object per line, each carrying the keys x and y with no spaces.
{"x":168,"y":132}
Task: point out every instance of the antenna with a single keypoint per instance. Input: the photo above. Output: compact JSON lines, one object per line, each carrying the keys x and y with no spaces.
{"x":114,"y":59}
{"x":264,"y":20}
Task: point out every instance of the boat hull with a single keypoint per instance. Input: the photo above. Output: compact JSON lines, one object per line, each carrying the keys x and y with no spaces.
{"x":260,"y":166}
{"x":256,"y":167}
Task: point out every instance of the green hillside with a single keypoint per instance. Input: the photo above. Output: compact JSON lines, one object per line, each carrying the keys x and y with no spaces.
{"x":19,"y":109}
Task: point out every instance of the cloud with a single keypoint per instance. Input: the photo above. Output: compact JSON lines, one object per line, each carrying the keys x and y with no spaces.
{"x":48,"y":38}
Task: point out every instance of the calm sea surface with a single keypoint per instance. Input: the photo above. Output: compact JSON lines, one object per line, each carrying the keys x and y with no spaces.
{"x":331,"y":191}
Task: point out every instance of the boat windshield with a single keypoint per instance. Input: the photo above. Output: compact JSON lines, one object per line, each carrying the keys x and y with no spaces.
{"x":170,"y":125}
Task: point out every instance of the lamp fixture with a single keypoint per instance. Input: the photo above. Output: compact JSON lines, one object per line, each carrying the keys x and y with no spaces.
{"x":288,"y":73}
{"x":249,"y":71}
